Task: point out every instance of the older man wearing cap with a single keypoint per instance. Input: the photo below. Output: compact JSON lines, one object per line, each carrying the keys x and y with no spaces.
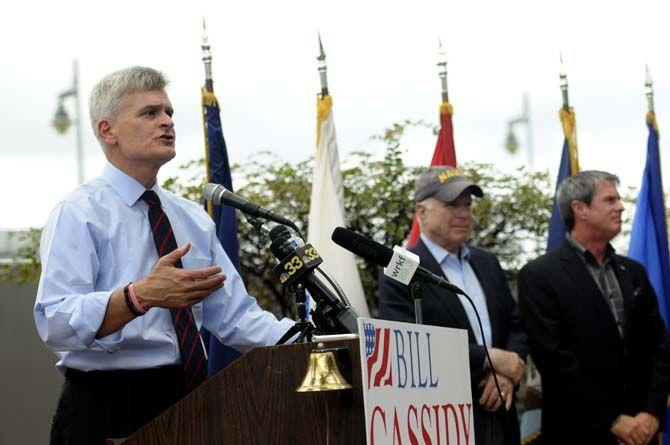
{"x":443,"y":200}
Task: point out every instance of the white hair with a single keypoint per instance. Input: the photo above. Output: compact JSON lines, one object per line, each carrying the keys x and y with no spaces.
{"x":107,"y":94}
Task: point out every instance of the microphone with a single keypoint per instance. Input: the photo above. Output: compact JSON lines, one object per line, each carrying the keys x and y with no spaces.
{"x":297,"y":262}
{"x":399,"y":264}
{"x":265,"y":228}
{"x":403,"y":266}
{"x":219,"y":195}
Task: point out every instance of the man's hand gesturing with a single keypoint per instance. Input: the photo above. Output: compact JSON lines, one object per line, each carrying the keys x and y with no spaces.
{"x":168,"y":286}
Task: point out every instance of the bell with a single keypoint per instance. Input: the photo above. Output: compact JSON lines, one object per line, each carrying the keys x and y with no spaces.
{"x":322,"y":374}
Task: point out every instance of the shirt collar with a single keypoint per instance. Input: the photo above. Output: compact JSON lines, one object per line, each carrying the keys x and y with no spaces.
{"x":440,"y":253}
{"x":585,"y":254}
{"x":125,"y":186}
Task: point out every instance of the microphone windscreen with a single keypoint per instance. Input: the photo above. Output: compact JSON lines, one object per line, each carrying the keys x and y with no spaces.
{"x":208,"y":191}
{"x":362,"y":246}
{"x":279,"y":231}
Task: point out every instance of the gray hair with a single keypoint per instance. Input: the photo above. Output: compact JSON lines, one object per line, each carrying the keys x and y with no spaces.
{"x":580,"y":187}
{"x":106,"y":95}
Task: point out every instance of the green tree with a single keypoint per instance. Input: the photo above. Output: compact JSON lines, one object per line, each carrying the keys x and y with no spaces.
{"x":25,"y":266}
{"x":511,"y":219}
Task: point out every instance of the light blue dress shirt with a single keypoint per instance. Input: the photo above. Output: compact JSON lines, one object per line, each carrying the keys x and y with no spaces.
{"x":460,"y":274}
{"x":97,"y":240}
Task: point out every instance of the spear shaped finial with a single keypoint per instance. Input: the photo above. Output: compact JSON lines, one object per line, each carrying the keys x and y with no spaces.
{"x":564,"y":84}
{"x":442,"y":70}
{"x":649,"y":89}
{"x":323,"y":68}
{"x":207,"y":58}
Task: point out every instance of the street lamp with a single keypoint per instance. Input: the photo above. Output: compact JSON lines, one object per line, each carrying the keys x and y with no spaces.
{"x":511,"y":141}
{"x":62,"y":122}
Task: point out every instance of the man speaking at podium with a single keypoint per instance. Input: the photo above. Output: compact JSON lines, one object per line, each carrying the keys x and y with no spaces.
{"x":130,"y":272}
{"x":443,"y":200}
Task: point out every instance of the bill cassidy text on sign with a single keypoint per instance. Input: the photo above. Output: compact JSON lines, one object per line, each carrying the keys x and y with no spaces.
{"x":417,"y":390}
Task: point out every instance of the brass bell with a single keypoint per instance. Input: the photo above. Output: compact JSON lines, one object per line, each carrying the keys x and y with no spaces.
{"x":322,"y":373}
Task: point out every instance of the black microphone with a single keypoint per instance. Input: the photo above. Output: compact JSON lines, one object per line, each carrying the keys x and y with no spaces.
{"x":381,"y":255}
{"x":219,"y":195}
{"x":405,"y":266}
{"x":331,"y":314}
{"x":262,"y":227}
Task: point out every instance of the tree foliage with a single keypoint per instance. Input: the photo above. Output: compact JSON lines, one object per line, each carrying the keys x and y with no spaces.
{"x":25,"y":265}
{"x":510,"y":220}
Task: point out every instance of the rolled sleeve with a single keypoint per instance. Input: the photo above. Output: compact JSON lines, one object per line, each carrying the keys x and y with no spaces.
{"x":68,"y":311}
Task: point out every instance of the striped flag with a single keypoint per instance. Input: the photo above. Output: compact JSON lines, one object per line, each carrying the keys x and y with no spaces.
{"x":569,"y":166}
{"x":649,"y":235}
{"x":326,"y":210}
{"x":378,"y":360}
{"x":218,"y":172}
{"x":445,"y":154}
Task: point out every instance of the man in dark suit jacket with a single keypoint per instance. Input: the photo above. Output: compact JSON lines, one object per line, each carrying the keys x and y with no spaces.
{"x":444,"y":211}
{"x":594,"y":328}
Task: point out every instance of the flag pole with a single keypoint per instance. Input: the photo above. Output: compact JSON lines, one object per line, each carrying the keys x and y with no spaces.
{"x":564,"y":85}
{"x":568,"y":121}
{"x":323,"y":69}
{"x":442,"y":71}
{"x":217,"y":170}
{"x":444,"y":153}
{"x":649,"y":90}
{"x":207,"y":59}
{"x":208,"y":90}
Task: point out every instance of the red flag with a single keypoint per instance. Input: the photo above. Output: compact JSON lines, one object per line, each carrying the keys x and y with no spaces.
{"x":445,"y":154}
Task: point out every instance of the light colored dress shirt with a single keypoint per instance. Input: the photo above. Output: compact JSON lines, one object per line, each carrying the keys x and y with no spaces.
{"x":97,"y":240}
{"x":459,"y":272}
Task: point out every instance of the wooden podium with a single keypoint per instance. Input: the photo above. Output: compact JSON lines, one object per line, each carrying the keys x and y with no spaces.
{"x":253,"y":401}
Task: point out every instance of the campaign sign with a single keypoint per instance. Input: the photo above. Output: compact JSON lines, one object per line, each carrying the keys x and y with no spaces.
{"x":416,"y":384}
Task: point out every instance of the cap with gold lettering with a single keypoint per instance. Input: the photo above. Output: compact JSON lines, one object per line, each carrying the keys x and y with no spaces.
{"x":444,"y":183}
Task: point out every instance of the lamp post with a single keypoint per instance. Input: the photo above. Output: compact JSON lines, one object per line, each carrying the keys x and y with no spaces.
{"x":62,"y":122}
{"x":511,"y":141}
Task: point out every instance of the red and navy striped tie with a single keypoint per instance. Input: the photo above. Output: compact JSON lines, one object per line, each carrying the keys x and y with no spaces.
{"x":190,"y":345}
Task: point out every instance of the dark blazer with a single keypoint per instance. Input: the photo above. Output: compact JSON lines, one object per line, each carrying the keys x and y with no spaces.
{"x":590,"y":374}
{"x":444,"y":308}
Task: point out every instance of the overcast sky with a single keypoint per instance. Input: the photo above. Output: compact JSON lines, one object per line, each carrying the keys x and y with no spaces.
{"x":381,"y":60}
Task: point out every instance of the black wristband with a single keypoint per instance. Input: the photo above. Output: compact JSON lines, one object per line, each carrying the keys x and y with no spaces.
{"x":126,"y":294}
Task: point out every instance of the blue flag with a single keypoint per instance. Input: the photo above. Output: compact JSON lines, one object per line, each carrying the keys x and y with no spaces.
{"x":649,"y":236}
{"x":218,"y":171}
{"x":568,"y":167}
{"x":556,"y":225}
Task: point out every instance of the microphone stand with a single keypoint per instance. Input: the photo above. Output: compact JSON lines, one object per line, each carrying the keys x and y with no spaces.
{"x":443,"y":284}
{"x":305,"y":327}
{"x":416,"y":290}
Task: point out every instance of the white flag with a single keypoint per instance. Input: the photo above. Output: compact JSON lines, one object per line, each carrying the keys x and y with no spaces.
{"x":326,"y":210}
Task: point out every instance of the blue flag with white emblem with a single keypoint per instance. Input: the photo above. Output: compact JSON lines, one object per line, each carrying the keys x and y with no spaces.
{"x":218,"y":172}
